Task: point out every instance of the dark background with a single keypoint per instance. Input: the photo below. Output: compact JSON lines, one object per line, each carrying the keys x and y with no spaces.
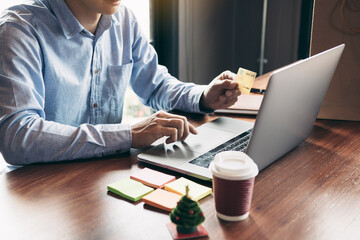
{"x":198,"y":39}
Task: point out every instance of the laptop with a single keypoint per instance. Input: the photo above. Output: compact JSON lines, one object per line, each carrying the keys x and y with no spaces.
{"x":285,"y":119}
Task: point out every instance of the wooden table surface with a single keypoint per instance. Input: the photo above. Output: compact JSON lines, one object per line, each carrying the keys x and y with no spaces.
{"x":313,"y":192}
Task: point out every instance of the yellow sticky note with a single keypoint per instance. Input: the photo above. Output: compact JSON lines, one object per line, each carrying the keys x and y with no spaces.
{"x":196,"y":191}
{"x":129,"y":189}
{"x":245,"y":79}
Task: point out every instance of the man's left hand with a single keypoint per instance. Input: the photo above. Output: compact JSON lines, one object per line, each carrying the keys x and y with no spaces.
{"x":221,"y":93}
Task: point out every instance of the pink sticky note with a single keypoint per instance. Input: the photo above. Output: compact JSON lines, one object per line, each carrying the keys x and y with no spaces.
{"x":162,"y":199}
{"x":152,"y":178}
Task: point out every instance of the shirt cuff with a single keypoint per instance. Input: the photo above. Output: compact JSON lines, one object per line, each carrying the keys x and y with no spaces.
{"x":197,"y":92}
{"x":117,"y":137}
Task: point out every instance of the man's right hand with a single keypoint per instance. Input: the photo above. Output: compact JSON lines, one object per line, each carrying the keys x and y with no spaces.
{"x":160,"y":124}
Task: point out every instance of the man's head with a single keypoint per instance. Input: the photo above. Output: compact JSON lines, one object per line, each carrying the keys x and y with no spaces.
{"x":95,"y":7}
{"x":88,"y":12}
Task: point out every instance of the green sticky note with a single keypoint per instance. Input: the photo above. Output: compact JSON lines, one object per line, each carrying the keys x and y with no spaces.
{"x":196,"y":191}
{"x":129,"y":189}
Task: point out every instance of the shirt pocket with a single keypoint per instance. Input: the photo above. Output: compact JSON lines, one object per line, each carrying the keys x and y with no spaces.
{"x":119,"y":78}
{"x":117,"y":81}
{"x":121,"y":72}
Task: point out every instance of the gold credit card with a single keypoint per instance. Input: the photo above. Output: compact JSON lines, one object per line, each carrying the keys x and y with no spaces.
{"x":245,"y":80}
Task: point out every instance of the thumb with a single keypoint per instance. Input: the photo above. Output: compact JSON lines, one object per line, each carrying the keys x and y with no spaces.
{"x":226,"y":84}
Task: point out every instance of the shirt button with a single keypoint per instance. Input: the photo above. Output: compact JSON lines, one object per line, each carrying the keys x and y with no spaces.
{"x":95,"y":105}
{"x":96,"y":71}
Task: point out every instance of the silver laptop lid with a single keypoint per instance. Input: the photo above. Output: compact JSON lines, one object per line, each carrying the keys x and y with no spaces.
{"x":290,"y":106}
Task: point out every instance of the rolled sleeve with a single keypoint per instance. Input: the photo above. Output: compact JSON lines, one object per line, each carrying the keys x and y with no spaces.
{"x":27,"y":138}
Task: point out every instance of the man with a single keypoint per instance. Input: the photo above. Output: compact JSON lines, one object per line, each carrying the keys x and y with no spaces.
{"x":64,"y":69}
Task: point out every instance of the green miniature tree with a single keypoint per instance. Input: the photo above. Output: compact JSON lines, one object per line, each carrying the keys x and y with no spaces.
{"x":187,"y":215}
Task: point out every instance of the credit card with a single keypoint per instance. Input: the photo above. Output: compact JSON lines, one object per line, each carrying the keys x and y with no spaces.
{"x":245,"y":79}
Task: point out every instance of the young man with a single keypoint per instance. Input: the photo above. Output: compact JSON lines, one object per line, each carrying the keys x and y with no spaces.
{"x":64,"y":70}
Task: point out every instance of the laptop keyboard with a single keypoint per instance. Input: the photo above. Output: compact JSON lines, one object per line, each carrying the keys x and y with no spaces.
{"x":237,"y":143}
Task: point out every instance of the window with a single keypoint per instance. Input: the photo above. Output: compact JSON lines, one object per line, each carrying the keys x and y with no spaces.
{"x":8,"y":3}
{"x":141,"y":9}
{"x":134,"y":110}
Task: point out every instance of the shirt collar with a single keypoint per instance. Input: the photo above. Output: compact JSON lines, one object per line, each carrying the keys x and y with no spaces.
{"x":104,"y":24}
{"x":70,"y":25}
{"x":106,"y":21}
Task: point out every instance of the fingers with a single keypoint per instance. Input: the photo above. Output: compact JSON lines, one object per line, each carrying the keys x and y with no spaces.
{"x":228,"y":98}
{"x":227,"y":75}
{"x":225,"y":84}
{"x":160,"y":124}
{"x":227,"y":102}
{"x":192,"y":130}
{"x":172,"y":134}
{"x":230,"y":94}
{"x":222,"y":92}
{"x":175,"y":126}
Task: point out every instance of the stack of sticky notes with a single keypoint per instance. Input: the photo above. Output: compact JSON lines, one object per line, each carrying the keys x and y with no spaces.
{"x":129,"y":189}
{"x":140,"y":186}
{"x":196,"y":192}
{"x":152,"y":178}
{"x":162,"y":199}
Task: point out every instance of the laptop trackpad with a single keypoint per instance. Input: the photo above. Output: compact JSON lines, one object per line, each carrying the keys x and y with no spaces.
{"x":168,"y":154}
{"x":206,"y":139}
{"x":177,"y":153}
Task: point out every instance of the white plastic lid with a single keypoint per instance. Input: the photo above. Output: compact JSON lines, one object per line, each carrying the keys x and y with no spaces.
{"x":233,"y":165}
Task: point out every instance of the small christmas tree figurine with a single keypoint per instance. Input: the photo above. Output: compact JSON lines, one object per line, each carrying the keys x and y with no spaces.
{"x":187,"y":215}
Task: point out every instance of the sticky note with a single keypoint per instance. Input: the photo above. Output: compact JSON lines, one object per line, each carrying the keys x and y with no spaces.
{"x":152,"y":178}
{"x":129,"y":189}
{"x":162,"y":199}
{"x":245,"y":80}
{"x":196,"y":192}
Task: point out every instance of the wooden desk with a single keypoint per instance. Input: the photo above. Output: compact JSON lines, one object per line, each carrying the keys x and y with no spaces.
{"x":313,"y":192}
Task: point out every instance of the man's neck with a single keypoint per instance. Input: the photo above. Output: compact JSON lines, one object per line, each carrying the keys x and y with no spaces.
{"x":87,"y":18}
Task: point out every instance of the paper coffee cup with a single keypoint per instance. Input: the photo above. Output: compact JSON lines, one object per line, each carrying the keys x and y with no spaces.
{"x":233,"y":182}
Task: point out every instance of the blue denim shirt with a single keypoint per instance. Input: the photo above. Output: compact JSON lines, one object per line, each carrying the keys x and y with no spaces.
{"x":62,"y":88}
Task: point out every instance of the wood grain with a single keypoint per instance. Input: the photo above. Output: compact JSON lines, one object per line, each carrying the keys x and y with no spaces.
{"x":313,"y":192}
